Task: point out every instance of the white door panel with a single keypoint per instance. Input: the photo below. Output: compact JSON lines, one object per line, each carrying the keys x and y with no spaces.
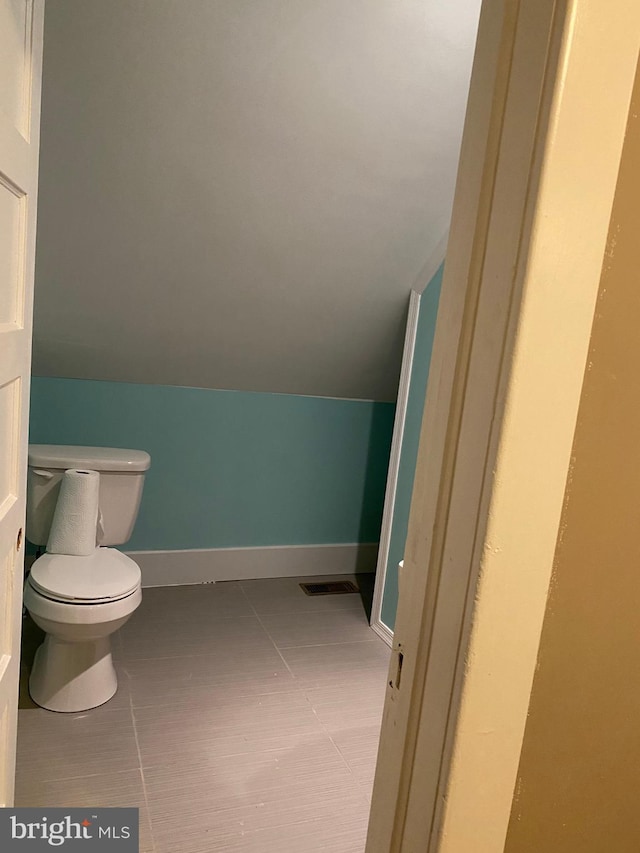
{"x":20,"y":81}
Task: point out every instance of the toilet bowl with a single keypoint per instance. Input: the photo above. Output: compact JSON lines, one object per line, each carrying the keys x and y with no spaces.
{"x":79,"y":602}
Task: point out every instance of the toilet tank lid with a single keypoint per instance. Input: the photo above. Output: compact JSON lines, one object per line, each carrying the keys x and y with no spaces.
{"x":96,"y":458}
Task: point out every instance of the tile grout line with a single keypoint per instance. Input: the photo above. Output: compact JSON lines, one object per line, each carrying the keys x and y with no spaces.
{"x":337,"y":643}
{"x":356,"y":784}
{"x":63,"y":779}
{"x":271,"y":640}
{"x":300,"y":687}
{"x":140,"y":767}
{"x":306,"y":696}
{"x":374,"y":641}
{"x":333,"y":743}
{"x":306,"y":613}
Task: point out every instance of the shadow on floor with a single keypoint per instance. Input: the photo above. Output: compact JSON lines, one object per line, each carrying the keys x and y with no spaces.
{"x":32,"y":637}
{"x":366,"y":582}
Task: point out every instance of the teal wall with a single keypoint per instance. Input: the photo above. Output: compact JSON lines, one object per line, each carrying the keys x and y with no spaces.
{"x":229,"y":468}
{"x":410,"y":439}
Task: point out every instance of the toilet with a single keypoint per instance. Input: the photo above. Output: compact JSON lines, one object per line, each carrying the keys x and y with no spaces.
{"x":80,"y":601}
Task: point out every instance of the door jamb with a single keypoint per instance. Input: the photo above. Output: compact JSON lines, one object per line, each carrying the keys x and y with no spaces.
{"x":535,"y":188}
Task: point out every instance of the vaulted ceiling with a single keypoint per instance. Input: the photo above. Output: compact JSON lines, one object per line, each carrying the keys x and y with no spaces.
{"x":240,"y":194}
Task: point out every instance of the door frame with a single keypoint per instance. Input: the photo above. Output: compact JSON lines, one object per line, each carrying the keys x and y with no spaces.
{"x":535,"y":189}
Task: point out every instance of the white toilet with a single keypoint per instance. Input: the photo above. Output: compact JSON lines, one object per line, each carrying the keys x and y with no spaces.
{"x":80,"y":601}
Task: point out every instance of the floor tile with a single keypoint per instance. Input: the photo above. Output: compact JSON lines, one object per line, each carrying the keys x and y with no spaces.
{"x":284,"y":595}
{"x":321,"y":628}
{"x":160,"y":638}
{"x":230,"y":731}
{"x":269,"y":825}
{"x":356,"y":703}
{"x":336,"y":664}
{"x":184,"y":603}
{"x":247,"y":671}
{"x":107,"y":790}
{"x":310,"y":765}
{"x":343,"y":833}
{"x":222,"y":725}
{"x":359,"y":747}
{"x":62,"y":746}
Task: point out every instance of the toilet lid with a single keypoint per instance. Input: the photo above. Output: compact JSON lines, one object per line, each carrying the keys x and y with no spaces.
{"x":105,"y":575}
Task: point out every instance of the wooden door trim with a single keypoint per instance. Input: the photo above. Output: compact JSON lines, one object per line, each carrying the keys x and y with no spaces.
{"x":477,"y":576}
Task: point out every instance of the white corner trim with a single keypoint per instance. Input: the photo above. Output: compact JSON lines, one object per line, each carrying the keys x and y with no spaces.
{"x":433,"y":264}
{"x":383,"y":631}
{"x":208,"y":565}
{"x":427,"y":273}
{"x":394,"y":458}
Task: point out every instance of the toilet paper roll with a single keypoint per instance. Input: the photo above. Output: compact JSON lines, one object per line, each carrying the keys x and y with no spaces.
{"x":75,"y":518}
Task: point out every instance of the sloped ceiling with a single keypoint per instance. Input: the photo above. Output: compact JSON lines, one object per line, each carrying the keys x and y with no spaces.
{"x":241,"y":193}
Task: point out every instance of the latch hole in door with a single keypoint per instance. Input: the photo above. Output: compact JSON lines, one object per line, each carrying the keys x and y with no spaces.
{"x":399,"y":670}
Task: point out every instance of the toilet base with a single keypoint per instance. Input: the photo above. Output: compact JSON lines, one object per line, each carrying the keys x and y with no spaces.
{"x":74,"y":676}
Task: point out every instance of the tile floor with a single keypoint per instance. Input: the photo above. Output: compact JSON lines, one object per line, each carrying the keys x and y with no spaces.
{"x":247,"y":719}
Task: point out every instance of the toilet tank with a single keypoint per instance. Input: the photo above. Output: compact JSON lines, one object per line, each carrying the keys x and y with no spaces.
{"x":122,"y":475}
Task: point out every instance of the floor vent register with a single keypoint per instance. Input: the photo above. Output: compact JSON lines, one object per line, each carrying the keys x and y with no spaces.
{"x":329,"y":588}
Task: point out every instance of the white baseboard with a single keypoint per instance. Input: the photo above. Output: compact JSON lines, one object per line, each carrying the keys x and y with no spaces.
{"x":383,"y":631}
{"x":208,"y":565}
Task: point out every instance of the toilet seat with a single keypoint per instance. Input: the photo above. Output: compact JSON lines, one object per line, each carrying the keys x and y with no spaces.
{"x":103,"y":576}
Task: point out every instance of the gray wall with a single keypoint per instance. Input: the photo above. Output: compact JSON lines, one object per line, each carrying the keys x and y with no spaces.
{"x":240,"y":193}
